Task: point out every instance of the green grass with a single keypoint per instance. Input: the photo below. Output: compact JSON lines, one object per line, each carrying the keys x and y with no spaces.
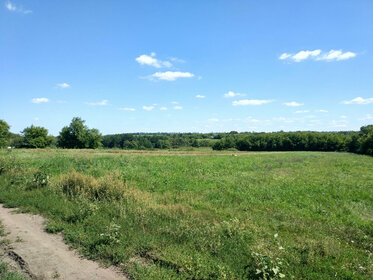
{"x":306,"y":215}
{"x":5,"y":274}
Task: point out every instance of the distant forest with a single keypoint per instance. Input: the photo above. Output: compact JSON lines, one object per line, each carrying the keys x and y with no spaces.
{"x":77,"y":136}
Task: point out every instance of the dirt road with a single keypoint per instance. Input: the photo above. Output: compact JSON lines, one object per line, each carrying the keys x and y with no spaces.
{"x":45,"y":256}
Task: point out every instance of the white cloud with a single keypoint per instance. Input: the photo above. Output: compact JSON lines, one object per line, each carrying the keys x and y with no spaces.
{"x":254,"y":102}
{"x":40,"y":100}
{"x":152,"y":61}
{"x":343,"y":117}
{"x":175,"y":59}
{"x":317,"y":55}
{"x":174,"y":102}
{"x":178,"y":107}
{"x":231,"y":94}
{"x":322,"y":111}
{"x":284,"y":56}
{"x":337,"y":55}
{"x":200,"y":96}
{"x":359,"y":100}
{"x":13,"y":8}
{"x":148,"y":108}
{"x":302,"y":55}
{"x":127,"y":109}
{"x":10,"y":6}
{"x":293,"y":104}
{"x":163,"y":109}
{"x":170,"y":75}
{"x":301,"y":112}
{"x":63,"y":85}
{"x":100,"y":103}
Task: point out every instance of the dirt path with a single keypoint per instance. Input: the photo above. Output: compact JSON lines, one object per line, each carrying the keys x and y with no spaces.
{"x":45,"y":256}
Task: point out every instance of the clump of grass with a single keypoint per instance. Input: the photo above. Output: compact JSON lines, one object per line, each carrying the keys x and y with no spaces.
{"x":77,"y":184}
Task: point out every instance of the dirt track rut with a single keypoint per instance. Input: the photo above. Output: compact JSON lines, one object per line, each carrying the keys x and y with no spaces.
{"x":45,"y":256}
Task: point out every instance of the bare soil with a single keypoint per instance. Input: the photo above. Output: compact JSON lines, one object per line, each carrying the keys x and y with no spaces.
{"x":40,"y":255}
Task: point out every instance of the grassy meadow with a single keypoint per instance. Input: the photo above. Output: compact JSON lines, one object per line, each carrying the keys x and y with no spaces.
{"x":202,"y":214}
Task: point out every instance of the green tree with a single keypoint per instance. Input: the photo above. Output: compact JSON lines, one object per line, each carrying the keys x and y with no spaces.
{"x":36,"y":137}
{"x":4,"y":133}
{"x":78,"y":136}
{"x":366,"y":140}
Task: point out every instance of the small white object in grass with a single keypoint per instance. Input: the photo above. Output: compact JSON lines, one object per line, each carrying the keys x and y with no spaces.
{"x":281,"y":248}
{"x":275,"y":235}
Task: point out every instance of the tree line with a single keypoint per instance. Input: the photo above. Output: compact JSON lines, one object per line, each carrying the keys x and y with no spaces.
{"x":78,"y":136}
{"x":354,"y":142}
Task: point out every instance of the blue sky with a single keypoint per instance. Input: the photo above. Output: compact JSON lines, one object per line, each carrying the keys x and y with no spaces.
{"x":187,"y":66}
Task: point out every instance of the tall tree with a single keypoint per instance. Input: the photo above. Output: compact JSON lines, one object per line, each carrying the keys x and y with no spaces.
{"x":78,"y":136}
{"x":36,"y":137}
{"x":4,"y":133}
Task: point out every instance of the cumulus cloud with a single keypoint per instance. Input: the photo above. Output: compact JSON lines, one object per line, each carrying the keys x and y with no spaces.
{"x":163,"y":108}
{"x":40,"y":100}
{"x":100,"y":103}
{"x":301,"y":111}
{"x":127,"y":109}
{"x":359,"y":100}
{"x":178,"y":107}
{"x":332,"y":55}
{"x":150,"y":60}
{"x":231,"y":94}
{"x":337,"y":55}
{"x":293,"y":104}
{"x":302,"y":55}
{"x":13,"y":8}
{"x":170,"y":75}
{"x":63,"y":85}
{"x":147,"y":108}
{"x":200,"y":96}
{"x":252,"y":102}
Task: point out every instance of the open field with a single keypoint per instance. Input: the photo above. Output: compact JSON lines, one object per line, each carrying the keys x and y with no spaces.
{"x":203,"y":214}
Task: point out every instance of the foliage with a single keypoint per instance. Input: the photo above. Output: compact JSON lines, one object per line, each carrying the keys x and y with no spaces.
{"x":79,"y":136}
{"x":36,"y":137}
{"x":40,"y":180}
{"x":300,"y":141}
{"x":366,"y":140}
{"x":4,"y":133}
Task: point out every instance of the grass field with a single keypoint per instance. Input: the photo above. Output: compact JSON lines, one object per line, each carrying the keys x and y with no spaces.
{"x":203,"y":215}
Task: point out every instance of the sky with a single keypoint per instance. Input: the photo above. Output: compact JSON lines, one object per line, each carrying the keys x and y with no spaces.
{"x":187,"y":66}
